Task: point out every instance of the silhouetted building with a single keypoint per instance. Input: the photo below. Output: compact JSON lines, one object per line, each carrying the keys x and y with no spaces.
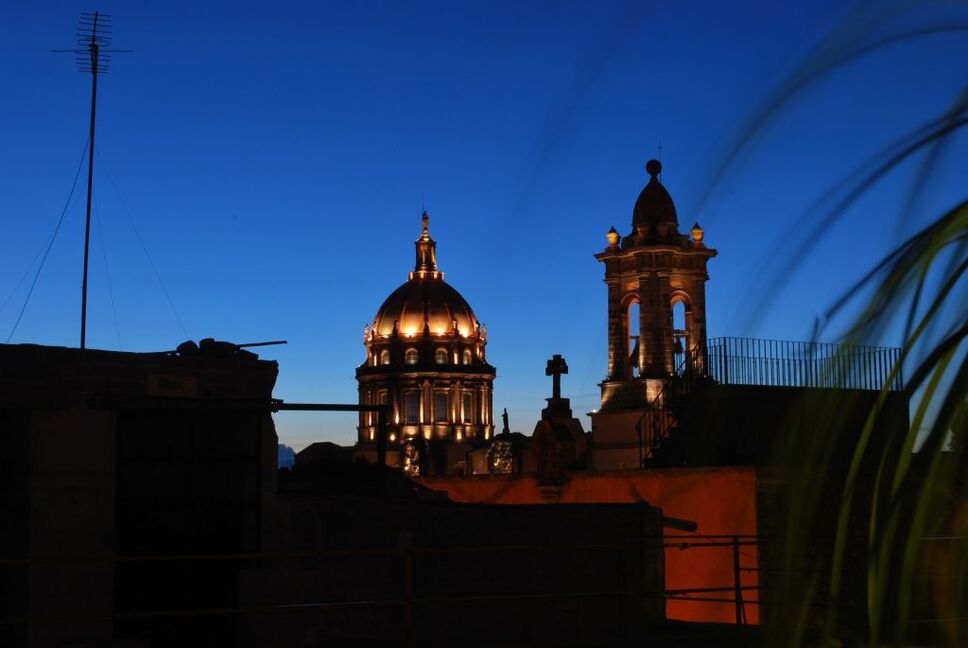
{"x":125,"y":455}
{"x":425,"y":357}
{"x":417,"y":569}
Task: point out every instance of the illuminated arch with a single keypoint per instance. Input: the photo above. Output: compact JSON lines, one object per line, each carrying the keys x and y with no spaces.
{"x":631,"y":318}
{"x":683,"y":331}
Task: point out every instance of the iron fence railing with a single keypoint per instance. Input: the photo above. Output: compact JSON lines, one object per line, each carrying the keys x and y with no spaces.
{"x":766,"y":363}
{"x":783,"y":363}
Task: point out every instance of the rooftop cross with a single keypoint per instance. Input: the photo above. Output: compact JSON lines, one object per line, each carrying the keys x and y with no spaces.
{"x":556,"y":367}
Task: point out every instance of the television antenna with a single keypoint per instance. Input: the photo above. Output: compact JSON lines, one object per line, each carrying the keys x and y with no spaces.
{"x":93,"y":54}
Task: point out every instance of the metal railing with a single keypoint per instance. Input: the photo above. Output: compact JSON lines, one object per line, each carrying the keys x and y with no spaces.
{"x":657,"y":421}
{"x":766,"y":363}
{"x":783,"y":363}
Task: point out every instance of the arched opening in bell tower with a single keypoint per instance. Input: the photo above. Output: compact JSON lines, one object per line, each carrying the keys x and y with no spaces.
{"x":632,"y":349}
{"x":680,"y":337}
{"x":684,"y":335}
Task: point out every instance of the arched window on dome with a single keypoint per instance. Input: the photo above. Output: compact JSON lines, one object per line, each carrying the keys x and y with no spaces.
{"x":385,"y":357}
{"x":466,"y":357}
{"x":410,"y":357}
{"x":440,"y":356}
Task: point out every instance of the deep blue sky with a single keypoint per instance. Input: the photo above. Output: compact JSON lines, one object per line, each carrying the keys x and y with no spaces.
{"x":273,"y":158}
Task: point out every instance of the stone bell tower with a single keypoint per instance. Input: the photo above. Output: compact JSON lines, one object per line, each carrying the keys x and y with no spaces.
{"x":648,"y":272}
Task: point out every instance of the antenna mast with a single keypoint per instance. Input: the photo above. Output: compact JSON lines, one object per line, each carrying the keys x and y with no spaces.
{"x":92,"y":55}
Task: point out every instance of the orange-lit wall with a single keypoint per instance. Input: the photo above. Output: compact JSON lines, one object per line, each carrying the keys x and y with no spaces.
{"x":721,"y":500}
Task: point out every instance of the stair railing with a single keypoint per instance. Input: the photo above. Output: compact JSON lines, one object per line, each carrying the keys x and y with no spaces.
{"x":656,"y":422}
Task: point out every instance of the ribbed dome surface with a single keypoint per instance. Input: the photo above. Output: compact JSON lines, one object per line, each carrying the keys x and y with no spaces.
{"x":425,"y":299}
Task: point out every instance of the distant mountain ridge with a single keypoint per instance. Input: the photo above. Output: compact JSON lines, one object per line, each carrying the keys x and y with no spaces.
{"x":287,"y":456}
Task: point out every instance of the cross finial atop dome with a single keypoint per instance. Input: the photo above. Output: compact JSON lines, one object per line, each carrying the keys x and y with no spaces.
{"x":425,"y":220}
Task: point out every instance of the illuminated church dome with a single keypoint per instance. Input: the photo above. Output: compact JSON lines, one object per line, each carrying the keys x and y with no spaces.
{"x":425,"y":300}
{"x":425,"y":357}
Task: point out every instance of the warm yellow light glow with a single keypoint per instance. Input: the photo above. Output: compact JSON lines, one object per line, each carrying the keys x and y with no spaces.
{"x":393,"y":437}
{"x":410,"y":332}
{"x":653,"y":390}
{"x":460,"y":435}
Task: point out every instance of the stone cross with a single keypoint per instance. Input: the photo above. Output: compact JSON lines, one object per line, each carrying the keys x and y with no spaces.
{"x":556,"y":367}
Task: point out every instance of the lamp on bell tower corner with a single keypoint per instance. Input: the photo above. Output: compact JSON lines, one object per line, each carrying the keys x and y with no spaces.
{"x":697,"y":234}
{"x":613,"y":237}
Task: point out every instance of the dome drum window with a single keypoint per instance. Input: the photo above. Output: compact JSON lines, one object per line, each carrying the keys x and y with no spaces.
{"x":440,"y":356}
{"x":412,"y":408}
{"x":411,"y":357}
{"x":468,"y":403}
{"x":441,"y":407}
